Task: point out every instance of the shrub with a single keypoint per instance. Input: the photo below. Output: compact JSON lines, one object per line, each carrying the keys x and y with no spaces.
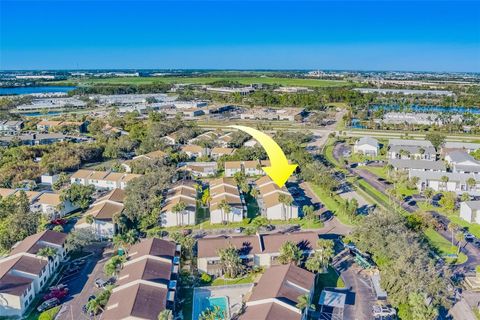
{"x":49,"y":314}
{"x":206,"y":278}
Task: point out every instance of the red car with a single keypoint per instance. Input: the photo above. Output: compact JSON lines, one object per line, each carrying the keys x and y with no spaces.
{"x":59,"y":222}
{"x":59,"y":294}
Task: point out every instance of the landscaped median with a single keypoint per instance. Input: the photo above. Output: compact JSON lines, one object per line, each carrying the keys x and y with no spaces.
{"x":332,"y":203}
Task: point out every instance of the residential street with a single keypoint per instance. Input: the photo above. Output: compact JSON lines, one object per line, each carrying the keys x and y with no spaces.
{"x":82,"y":285}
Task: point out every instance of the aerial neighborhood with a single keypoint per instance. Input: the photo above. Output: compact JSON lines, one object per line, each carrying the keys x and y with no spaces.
{"x":142,"y":202}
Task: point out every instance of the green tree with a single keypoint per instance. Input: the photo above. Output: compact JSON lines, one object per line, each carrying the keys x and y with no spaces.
{"x":231,"y":262}
{"x":179,"y":209}
{"x":419,"y":309}
{"x":78,"y":239}
{"x":165,"y":315}
{"x":471,"y":182}
{"x":225,"y":208}
{"x":309,"y":212}
{"x":110,"y":268}
{"x":319,"y":260}
{"x":286,"y":201}
{"x":303,"y":301}
{"x":79,"y":195}
{"x":290,"y":252}
{"x":448,"y":201}
{"x":47,"y":252}
{"x":58,"y":228}
{"x":206,"y":197}
{"x":213,"y":313}
{"x":437,"y":139}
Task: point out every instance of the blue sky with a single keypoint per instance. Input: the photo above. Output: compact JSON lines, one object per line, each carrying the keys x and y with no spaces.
{"x":365,"y":35}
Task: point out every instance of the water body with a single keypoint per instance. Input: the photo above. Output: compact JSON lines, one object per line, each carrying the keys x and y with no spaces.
{"x":38,"y":114}
{"x":426,"y":109}
{"x":30,"y":90}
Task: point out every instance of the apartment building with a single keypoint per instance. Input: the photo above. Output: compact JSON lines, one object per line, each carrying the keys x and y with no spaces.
{"x":181,"y":192}
{"x":287,"y":114}
{"x":24,"y":273}
{"x":10,"y":127}
{"x":462,"y":162}
{"x":418,"y":165}
{"x":48,"y":125}
{"x":103,"y":179}
{"x":38,"y":139}
{"x":269,"y":200}
{"x":147,"y":284}
{"x":470,"y":211}
{"x":194,"y":151}
{"x":411,"y":149}
{"x":276,"y":295}
{"x":49,"y":204}
{"x":256,"y":250}
{"x":218,"y":152}
{"x":200,"y":169}
{"x":462,"y":146}
{"x":225,"y":191}
{"x":151,"y":156}
{"x":103,"y":211}
{"x":448,"y":181}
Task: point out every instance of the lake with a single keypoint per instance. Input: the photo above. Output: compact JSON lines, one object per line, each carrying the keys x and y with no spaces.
{"x":426,"y":109}
{"x":29,"y":90}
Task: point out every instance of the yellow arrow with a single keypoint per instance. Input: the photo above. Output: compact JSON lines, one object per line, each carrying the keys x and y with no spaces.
{"x":279,"y":170}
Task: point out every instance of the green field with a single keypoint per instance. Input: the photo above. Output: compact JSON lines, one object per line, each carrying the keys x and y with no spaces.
{"x":205,"y":80}
{"x":443,"y":246}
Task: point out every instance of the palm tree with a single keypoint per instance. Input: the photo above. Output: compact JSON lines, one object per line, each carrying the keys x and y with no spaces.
{"x":225,"y":208}
{"x":471,"y":183}
{"x":47,"y":252}
{"x":89,"y":219}
{"x":94,"y":306}
{"x":290,"y":252}
{"x":215,"y":313}
{"x":178,"y":210}
{"x":165,"y":315}
{"x":230,"y":261}
{"x":303,"y":301}
{"x":459,"y":236}
{"x":429,"y":193}
{"x":465,"y":196}
{"x":444,"y":180}
{"x":286,"y":201}
{"x":453,"y":227}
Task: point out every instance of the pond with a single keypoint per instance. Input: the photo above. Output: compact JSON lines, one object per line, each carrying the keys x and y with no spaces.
{"x":30,"y":90}
{"x":426,"y":109}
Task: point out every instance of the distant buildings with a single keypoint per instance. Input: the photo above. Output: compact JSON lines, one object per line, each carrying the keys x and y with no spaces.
{"x":470,"y":211}
{"x":427,"y":119}
{"x":147,"y":283}
{"x":10,"y":127}
{"x":24,"y":273}
{"x":52,"y":104}
{"x":106,"y":180}
{"x":151,"y":156}
{"x":38,"y":139}
{"x":48,"y":125}
{"x":288,"y":114}
{"x":406,"y":92}
{"x":242,"y":91}
{"x":367,"y":146}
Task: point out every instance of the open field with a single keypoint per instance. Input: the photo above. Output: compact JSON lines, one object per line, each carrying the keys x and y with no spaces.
{"x":205,"y":80}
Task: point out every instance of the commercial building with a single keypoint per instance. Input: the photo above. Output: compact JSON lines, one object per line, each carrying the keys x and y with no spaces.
{"x":103,"y":179}
{"x":147,"y":284}
{"x":52,"y":104}
{"x":367,"y":146}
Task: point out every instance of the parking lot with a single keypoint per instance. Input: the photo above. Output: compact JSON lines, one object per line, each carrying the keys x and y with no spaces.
{"x":81,"y":284}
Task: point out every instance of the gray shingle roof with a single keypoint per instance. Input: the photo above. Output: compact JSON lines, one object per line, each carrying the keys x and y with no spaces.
{"x":413,"y":143}
{"x":418,"y":164}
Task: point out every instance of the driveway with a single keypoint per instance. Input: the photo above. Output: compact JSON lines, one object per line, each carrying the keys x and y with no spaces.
{"x":81,"y":285}
{"x":358,"y":285}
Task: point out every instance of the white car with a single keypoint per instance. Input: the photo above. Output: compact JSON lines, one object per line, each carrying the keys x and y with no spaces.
{"x":382,"y":311}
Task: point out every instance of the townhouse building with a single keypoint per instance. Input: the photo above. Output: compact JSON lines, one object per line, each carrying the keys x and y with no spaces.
{"x":147,"y":283}
{"x":260,"y":250}
{"x":200,"y":169}
{"x":11,"y":127}
{"x":224,"y":191}
{"x":470,"y":211}
{"x":277,"y":294}
{"x":103,"y":211}
{"x":461,"y":162}
{"x":194,"y":151}
{"x":270,"y":200}
{"x":460,"y":146}
{"x":447,"y":181}
{"x":367,"y":146}
{"x":151,"y":156}
{"x":218,"y":152}
{"x":182,"y":192}
{"x":411,"y":149}
{"x":106,"y":180}
{"x":418,"y":165}
{"x":49,"y":125}
{"x":250,"y":168}
{"x":24,"y":273}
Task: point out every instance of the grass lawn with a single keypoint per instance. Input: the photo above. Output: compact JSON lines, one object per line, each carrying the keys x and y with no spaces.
{"x":378,"y":171}
{"x":206,"y":80}
{"x":223,"y":282}
{"x":331,"y":203}
{"x":443,"y":246}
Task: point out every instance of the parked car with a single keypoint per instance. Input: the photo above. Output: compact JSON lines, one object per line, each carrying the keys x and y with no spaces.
{"x":85,"y":310}
{"x":72,"y":269}
{"x":382,"y":311}
{"x":476,"y":243}
{"x":90,"y":298}
{"x":100,"y":283}
{"x":59,"y":222}
{"x":48,"y":304}
{"x":469,"y":237}
{"x":78,"y":262}
{"x":59,"y":294}
{"x":238,"y":230}
{"x":58,"y":287}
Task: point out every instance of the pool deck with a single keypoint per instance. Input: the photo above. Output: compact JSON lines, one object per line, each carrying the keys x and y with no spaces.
{"x":234,"y":293}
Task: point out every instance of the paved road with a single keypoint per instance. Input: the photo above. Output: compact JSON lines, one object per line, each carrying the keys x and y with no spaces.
{"x":82,"y":285}
{"x":361,"y":297}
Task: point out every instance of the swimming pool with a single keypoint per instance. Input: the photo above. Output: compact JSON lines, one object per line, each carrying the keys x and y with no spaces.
{"x":202,"y":303}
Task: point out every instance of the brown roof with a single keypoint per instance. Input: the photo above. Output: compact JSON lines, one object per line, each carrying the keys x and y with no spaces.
{"x":116,"y":195}
{"x":233,"y":201}
{"x":233,"y":164}
{"x":208,"y":247}
{"x":305,"y":240}
{"x":190,"y":203}
{"x":269,"y":311}
{"x":251,"y":164}
{"x":153,"y":246}
{"x":192,"y":148}
{"x":263,"y":180}
{"x":5,"y":192}
{"x":52,"y":199}
{"x":146,"y":269}
{"x":141,"y":301}
{"x":105,"y":210}
{"x":159,"y":154}
{"x":224,"y":180}
{"x":222,"y":150}
{"x":82,"y":174}
{"x":14,"y":285}
{"x":283,"y":282}
{"x":30,"y":265}
{"x":32,"y":244}
{"x":114,"y":176}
